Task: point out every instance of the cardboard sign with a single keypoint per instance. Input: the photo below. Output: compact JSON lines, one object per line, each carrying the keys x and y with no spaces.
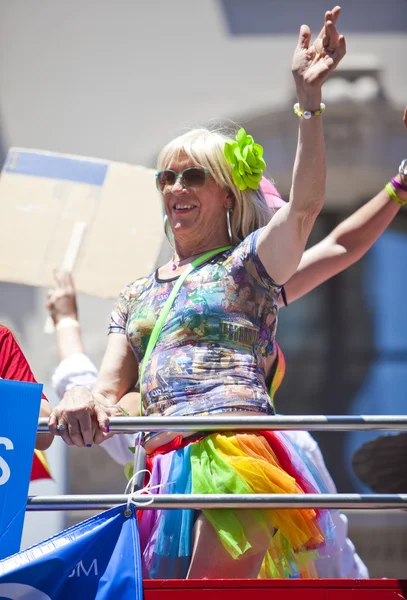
{"x":102,"y":220}
{"x":19,"y":411}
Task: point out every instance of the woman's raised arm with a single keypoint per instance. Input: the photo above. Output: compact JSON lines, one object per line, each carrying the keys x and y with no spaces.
{"x":282,"y":243}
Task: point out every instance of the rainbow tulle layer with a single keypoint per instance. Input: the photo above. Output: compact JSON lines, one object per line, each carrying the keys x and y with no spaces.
{"x":227,"y":463}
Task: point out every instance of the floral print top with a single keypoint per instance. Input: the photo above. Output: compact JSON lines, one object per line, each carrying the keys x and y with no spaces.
{"x":210,"y":355}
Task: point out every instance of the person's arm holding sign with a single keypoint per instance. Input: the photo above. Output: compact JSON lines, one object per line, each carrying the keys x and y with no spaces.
{"x":62,"y":306}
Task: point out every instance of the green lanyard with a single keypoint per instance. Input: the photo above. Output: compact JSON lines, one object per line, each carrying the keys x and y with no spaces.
{"x":155,"y":334}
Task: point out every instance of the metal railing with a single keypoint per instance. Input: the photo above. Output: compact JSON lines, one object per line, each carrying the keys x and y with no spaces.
{"x":248,"y":501}
{"x":315,"y":423}
{"x":200,"y":501}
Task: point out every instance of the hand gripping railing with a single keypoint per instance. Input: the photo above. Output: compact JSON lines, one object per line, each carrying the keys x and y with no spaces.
{"x":196,"y":501}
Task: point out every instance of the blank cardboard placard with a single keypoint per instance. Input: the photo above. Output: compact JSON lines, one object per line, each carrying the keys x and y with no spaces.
{"x":103,"y":218}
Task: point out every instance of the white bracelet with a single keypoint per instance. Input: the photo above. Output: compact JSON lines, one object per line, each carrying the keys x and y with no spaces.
{"x":67,"y":322}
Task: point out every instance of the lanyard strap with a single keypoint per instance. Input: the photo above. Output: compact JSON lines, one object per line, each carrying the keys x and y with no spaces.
{"x":155,"y":334}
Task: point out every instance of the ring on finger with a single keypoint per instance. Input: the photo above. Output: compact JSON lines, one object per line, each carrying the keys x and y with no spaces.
{"x":62,"y":427}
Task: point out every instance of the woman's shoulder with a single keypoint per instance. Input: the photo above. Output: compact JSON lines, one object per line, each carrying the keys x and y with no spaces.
{"x":245,"y":248}
{"x":133,"y":289}
{"x":245,"y":256}
{"x":251,"y":237}
{"x":246,"y":244}
{"x":126,"y":301}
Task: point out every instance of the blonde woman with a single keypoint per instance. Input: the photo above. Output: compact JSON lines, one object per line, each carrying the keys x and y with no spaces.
{"x":221,"y":228}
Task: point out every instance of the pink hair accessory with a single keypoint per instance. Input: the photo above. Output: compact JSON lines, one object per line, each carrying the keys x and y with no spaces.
{"x":273,"y":198}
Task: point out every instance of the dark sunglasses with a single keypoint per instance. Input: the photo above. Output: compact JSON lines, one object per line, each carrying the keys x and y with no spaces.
{"x":192,"y":177}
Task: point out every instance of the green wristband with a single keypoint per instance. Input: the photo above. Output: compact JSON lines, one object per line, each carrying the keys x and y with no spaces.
{"x":393,"y":195}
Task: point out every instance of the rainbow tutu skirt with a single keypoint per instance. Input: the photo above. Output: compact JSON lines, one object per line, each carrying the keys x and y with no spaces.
{"x":264,"y":462}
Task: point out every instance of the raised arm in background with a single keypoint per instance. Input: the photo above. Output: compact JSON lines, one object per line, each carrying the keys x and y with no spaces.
{"x":348,"y":242}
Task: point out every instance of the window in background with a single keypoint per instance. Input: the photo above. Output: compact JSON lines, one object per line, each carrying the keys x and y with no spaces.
{"x":346,"y":344}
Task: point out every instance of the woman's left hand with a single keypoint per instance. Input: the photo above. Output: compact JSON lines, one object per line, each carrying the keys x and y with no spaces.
{"x":81,"y":417}
{"x":313,"y":64}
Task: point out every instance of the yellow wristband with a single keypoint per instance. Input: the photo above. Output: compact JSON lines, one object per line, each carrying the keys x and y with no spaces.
{"x":393,"y":195}
{"x":307,"y":114}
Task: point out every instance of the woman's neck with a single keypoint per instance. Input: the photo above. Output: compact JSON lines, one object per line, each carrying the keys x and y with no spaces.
{"x":192,"y":249}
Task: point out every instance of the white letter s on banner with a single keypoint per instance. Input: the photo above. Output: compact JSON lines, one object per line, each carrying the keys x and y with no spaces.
{"x":5,"y":469}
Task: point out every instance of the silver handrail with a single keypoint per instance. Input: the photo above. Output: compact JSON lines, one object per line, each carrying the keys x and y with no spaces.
{"x":239,"y":423}
{"x":310,"y":423}
{"x":200,"y":501}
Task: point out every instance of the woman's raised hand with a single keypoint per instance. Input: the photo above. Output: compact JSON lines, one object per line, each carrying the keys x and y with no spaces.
{"x":313,"y":64}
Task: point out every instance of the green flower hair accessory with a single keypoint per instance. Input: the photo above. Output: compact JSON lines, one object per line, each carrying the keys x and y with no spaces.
{"x":246,"y":159}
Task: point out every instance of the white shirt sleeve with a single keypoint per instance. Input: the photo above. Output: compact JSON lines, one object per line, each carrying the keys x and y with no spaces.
{"x":78,"y":369}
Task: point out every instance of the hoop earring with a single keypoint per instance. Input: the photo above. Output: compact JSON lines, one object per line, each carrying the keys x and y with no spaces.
{"x":229,"y":225}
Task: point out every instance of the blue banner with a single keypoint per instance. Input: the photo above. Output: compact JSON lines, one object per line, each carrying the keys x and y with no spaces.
{"x":19,"y":410}
{"x":97,"y":559}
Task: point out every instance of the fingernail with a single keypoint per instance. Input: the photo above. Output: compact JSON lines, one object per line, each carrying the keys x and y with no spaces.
{"x":89,"y":445}
{"x":107,"y":428}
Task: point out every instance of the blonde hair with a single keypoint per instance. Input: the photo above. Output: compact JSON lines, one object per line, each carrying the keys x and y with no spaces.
{"x":205,"y":147}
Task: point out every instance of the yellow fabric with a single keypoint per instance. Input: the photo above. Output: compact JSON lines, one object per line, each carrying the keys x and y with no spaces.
{"x":245,"y":463}
{"x":255,"y":461}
